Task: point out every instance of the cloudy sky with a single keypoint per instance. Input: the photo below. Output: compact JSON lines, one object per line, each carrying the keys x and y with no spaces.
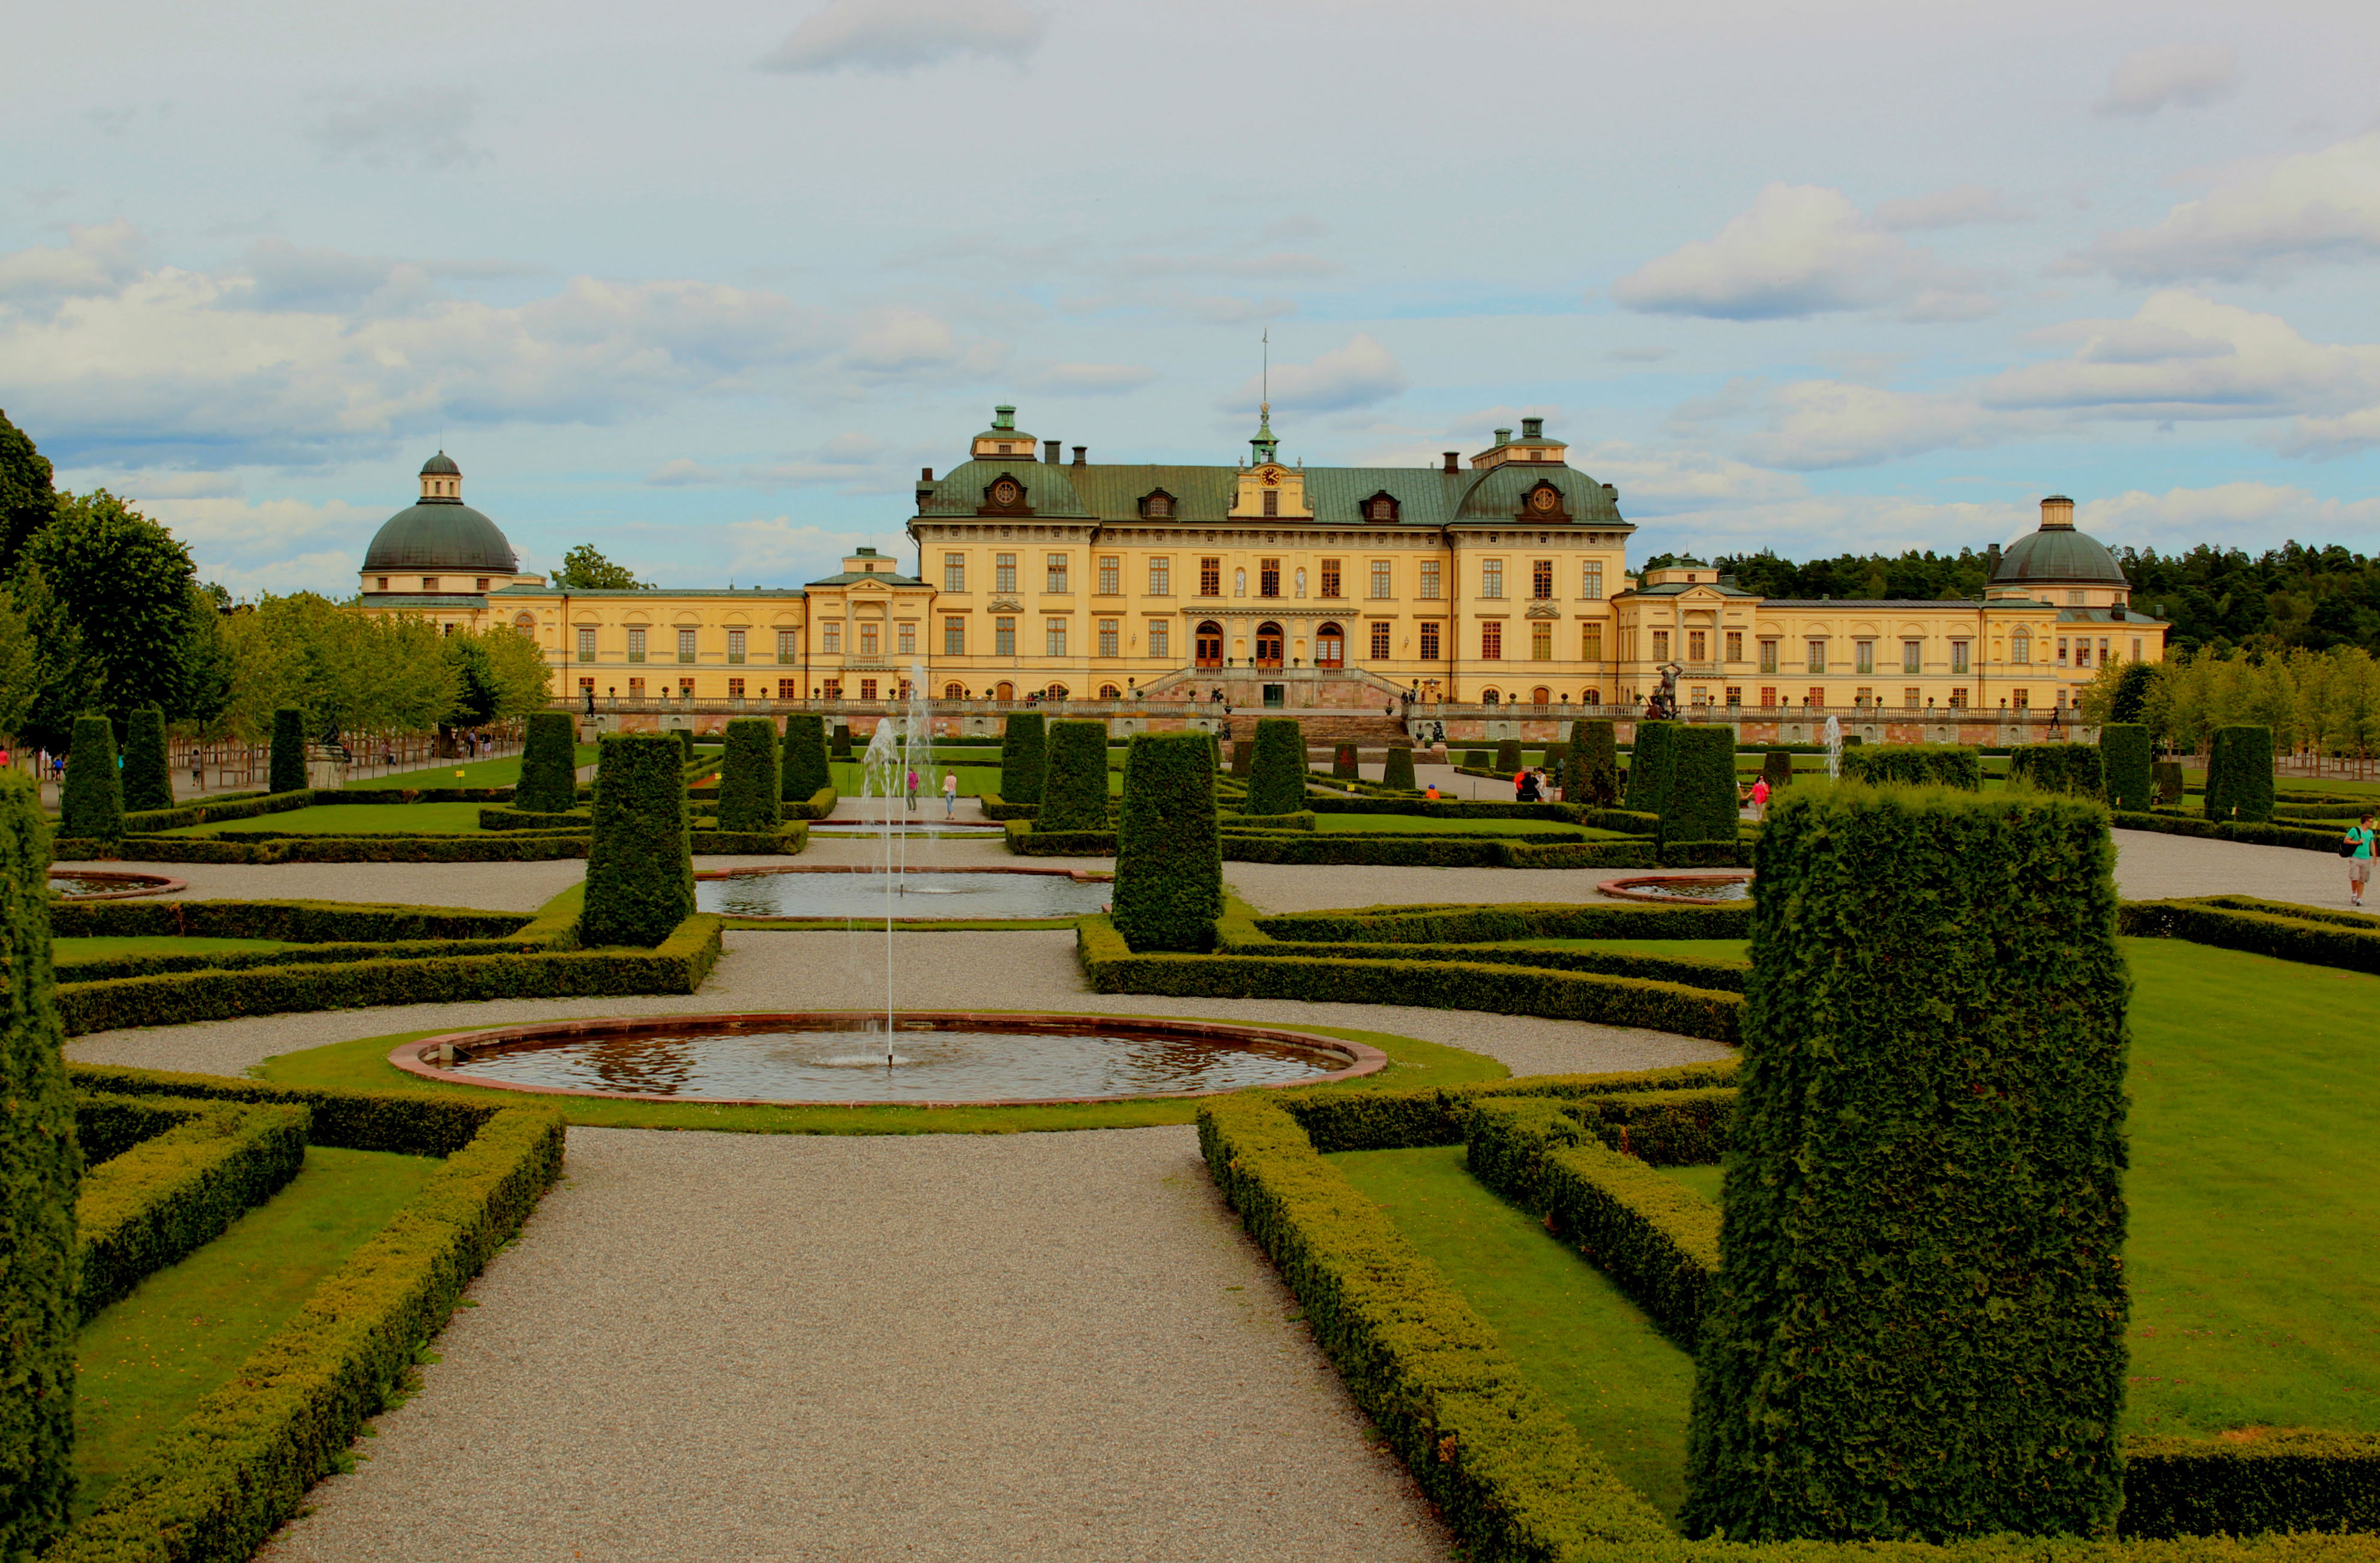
{"x":706,"y":283}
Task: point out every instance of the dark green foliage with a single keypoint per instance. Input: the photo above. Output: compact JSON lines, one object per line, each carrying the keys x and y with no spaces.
{"x":1649,"y":766}
{"x":1507,"y":756}
{"x":2059,"y":767}
{"x":1591,"y":770}
{"x":841,"y":750}
{"x":584,"y":568}
{"x":1468,"y":925}
{"x":1439,"y":851}
{"x":1701,"y":803}
{"x":41,"y":1171}
{"x":1243,"y":751}
{"x":285,"y":771}
{"x":1556,"y":755}
{"x":2292,"y":1479}
{"x":129,"y":588}
{"x":1074,"y":786}
{"x":1342,"y":762}
{"x":802,"y":766}
{"x":640,"y":873}
{"x":28,"y":499}
{"x":1777,"y":769}
{"x":2346,"y":939}
{"x":1928,"y":1156}
{"x":2129,"y":701}
{"x":1916,"y":765}
{"x":1477,"y":760}
{"x":1277,"y":777}
{"x":549,"y":773}
{"x":1689,"y":971}
{"x":2165,"y":776}
{"x":90,"y":803}
{"x":1169,"y":884}
{"x":148,"y":776}
{"x":2239,"y":774}
{"x":1399,"y":771}
{"x":685,"y":744}
{"x":1024,"y":757}
{"x":748,"y":780}
{"x":288,"y":922}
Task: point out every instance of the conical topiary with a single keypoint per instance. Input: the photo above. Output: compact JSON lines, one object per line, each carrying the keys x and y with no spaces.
{"x":549,"y":773}
{"x":1342,"y":762}
{"x":640,"y":865}
{"x":285,"y":771}
{"x":1507,"y":756}
{"x":1591,"y":770}
{"x":748,"y":782}
{"x":148,"y":773}
{"x":1399,"y":771}
{"x":803,"y":772}
{"x":1074,"y":783}
{"x":1023,"y":757}
{"x":1168,"y":883}
{"x":1277,"y":777}
{"x":91,"y":803}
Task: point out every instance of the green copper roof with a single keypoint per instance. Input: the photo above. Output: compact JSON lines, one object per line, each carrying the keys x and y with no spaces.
{"x":1048,"y":490}
{"x":1203,"y":495}
{"x":2054,"y":555}
{"x":441,"y":536}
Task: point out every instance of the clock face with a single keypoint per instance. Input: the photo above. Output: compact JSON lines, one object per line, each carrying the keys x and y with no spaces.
{"x":1272,"y":477}
{"x":1006,"y":491}
{"x":1544,"y":498}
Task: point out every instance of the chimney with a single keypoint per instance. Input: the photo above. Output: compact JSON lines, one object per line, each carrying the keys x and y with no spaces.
{"x":2057,"y":513}
{"x":1003,"y":417}
{"x":1049,"y":453}
{"x":1503,"y":436}
{"x":925,"y":475}
{"x":1451,"y":457}
{"x":1532,"y":429}
{"x":1082,"y":455}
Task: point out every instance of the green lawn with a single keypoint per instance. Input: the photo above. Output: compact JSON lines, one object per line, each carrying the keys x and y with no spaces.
{"x":67,"y":952}
{"x":1587,"y":1346}
{"x":390,"y":820}
{"x":1425,"y":825}
{"x":503,"y":772}
{"x":147,"y":1361}
{"x":1707,"y":948}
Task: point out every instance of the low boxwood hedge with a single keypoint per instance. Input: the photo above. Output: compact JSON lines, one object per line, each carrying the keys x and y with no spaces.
{"x":2260,"y":927}
{"x":994,"y":806}
{"x":1916,"y":765}
{"x":2059,"y":767}
{"x":2308,"y":838}
{"x":290,"y":922}
{"x":1483,"y":924}
{"x":1718,"y":975}
{"x":520,"y":847}
{"x":2239,"y":774}
{"x":1432,"y":851}
{"x":1027,"y":839}
{"x":1438,"y":1115}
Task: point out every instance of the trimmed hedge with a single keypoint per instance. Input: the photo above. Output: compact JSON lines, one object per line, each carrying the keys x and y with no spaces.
{"x":1483,"y":924}
{"x":522,"y":847}
{"x":685,"y":736}
{"x":407,"y":1122}
{"x":1916,"y":765}
{"x":1023,"y":757}
{"x":1907,"y":1018}
{"x":2276,"y":1481}
{"x":285,"y":765}
{"x":290,"y":922}
{"x":1439,"y":1115}
{"x":639,"y":872}
{"x":1342,"y":763}
{"x":1397,"y":774}
{"x":1277,"y":777}
{"x":2307,"y":838}
{"x":842,"y":746}
{"x":1650,"y":766}
{"x":802,"y":770}
{"x":1507,"y":757}
{"x":749,"y":786}
{"x":1025,"y":838}
{"x":2059,"y":767}
{"x":1683,"y":1127}
{"x":1168,"y":883}
{"x":40,"y":1174}
{"x":2165,"y":776}
{"x":1700,"y":804}
{"x":2260,"y":927}
{"x":1691,"y":970}
{"x":1434,"y":851}
{"x":548,"y":770}
{"x":90,"y":800}
{"x":1074,"y":780}
{"x":1590,"y":775}
{"x":2124,"y":761}
{"x":148,"y":778}
{"x":2239,"y":774}
{"x":1777,"y":769}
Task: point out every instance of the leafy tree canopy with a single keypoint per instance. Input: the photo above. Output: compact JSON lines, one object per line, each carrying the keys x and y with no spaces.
{"x":583,"y":569}
{"x":27,"y":497}
{"x":131,"y":591}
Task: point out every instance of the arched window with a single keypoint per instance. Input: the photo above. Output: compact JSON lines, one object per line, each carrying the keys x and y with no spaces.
{"x":1269,"y":640}
{"x":1158,"y":507}
{"x":953,"y":691}
{"x":1210,"y":644}
{"x":1109,"y":692}
{"x":526,"y":625}
{"x":1541,"y":696}
{"x":1592,"y":697}
{"x":1330,"y":646}
{"x":2020,"y":646}
{"x":1488,"y":697}
{"x":1003,"y":690}
{"x":1057,"y":692}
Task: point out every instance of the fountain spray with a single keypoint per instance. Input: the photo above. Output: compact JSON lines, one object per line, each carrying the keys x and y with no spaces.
{"x":902,"y":745}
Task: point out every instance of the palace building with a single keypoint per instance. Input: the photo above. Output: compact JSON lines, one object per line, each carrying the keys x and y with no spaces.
{"x":1499,"y":580}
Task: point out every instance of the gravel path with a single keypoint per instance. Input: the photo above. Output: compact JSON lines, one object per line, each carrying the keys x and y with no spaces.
{"x":2150,"y":866}
{"x":956,"y":1346}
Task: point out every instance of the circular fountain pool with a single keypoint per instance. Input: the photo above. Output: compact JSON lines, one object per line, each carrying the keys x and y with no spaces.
{"x":1700,"y":889}
{"x":110,"y":884}
{"x":847,"y":1058}
{"x":869,"y":894}
{"x":874,"y":830}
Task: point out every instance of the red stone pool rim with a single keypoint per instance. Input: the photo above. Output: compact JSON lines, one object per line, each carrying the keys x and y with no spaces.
{"x":1628,"y":888}
{"x":413,"y":1057}
{"x":135,"y":884}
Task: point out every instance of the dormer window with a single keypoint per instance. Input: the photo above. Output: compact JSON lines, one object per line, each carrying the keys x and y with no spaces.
{"x":1543,"y":502}
{"x":1156,"y":506}
{"x":1380,"y":507}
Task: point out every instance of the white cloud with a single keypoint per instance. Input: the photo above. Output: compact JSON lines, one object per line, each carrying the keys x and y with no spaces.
{"x":2184,"y":357}
{"x":1957,"y":207}
{"x":2263,"y":220}
{"x":426,"y":128}
{"x":2186,"y":75}
{"x":1090,"y":379}
{"x":901,"y":35}
{"x":251,"y":546}
{"x":2324,"y":439}
{"x":900,"y":340}
{"x":2248,"y":515}
{"x":96,"y":258}
{"x":766,"y":546}
{"x":684,"y":473}
{"x":1819,"y":423}
{"x":1357,"y":375}
{"x":1798,"y":250}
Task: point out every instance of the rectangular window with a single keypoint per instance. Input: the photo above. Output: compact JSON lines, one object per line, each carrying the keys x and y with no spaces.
{"x":2102,"y":651}
{"x":1003,"y":637}
{"x":685,"y":645}
{"x":429,"y":583}
{"x":1913,"y":656}
{"x":1660,"y":645}
{"x":1111,"y":638}
{"x":1864,"y":698}
{"x":1541,"y":579}
{"x":1958,"y":699}
{"x":789,"y":646}
{"x":1590,"y":642}
{"x":1111,"y":575}
{"x":1491,"y":641}
{"x":1864,"y":656}
{"x":907,"y":644}
{"x":833,"y":688}
{"x":2136,"y":649}
{"x":1383,"y":579}
{"x":383,"y":584}
{"x":1210,"y":578}
{"x":1380,"y":630}
{"x":1590,"y":584}
{"x":1769,"y":656}
{"x":1161,"y":638}
{"x":636,"y":689}
{"x":1909,"y":698}
{"x":2023,"y":699}
{"x":1330,"y":577}
{"x":1430,"y":592}
{"x":1699,"y":694}
{"x":686,"y":687}
{"x":955,"y":637}
{"x":1003,"y":573}
{"x":1958,"y":656}
{"x":1055,"y":574}
{"x":831,"y":639}
{"x":788,"y":690}
{"x":868,"y":689}
{"x":635,"y":645}
{"x":1491,"y":577}
{"x":1816,"y":697}
{"x":2061,"y":652}
{"x":1056,"y":631}
{"x":1697,"y":645}
{"x":1161,"y":575}
{"x":1734,"y":696}
{"x":1541,"y":642}
{"x":1268,"y":577}
{"x":1817,"y":663}
{"x":867,"y":640}
{"x":587,"y":646}
{"x":735,"y":689}
{"x":1429,"y":640}
{"x":735,"y":647}
{"x":1735,"y":646}
{"x":1769,"y":698}
{"x":1272,"y":501}
{"x":954,"y":572}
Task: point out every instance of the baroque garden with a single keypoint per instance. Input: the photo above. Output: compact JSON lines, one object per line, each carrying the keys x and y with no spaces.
{"x":1196,"y":1133}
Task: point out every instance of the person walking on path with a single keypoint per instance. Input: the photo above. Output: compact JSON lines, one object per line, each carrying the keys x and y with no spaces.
{"x":2362,"y":839}
{"x":1759,"y":800}
{"x":1525,"y":787}
{"x":950,"y":794}
{"x":913,"y":789}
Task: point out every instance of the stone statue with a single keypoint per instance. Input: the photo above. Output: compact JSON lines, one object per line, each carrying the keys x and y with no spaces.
{"x":1663,"y":705}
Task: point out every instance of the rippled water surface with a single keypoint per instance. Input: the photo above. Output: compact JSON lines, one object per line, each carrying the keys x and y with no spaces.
{"x":1698,"y":890}
{"x":76,"y":884}
{"x":913,"y":895}
{"x":771,"y":1063}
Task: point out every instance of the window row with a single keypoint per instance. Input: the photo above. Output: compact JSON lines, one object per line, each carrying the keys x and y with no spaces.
{"x":684,"y":645}
{"x":1330,"y":577}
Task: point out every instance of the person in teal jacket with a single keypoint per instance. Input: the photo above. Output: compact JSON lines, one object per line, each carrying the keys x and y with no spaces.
{"x":2359,"y":864}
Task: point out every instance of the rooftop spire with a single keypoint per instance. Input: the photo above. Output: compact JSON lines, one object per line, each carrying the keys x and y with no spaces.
{"x":1264,"y":447}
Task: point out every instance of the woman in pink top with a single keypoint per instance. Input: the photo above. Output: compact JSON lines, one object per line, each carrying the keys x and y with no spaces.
{"x":1760,"y":798}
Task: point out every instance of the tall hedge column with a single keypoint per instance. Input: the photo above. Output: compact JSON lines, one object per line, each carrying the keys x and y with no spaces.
{"x":1075,"y":788}
{"x":1649,"y":766}
{"x":40,"y":1170}
{"x":90,"y":803}
{"x":148,"y":774}
{"x":1023,"y":757}
{"x":802,"y":769}
{"x":640,"y":866}
{"x":1277,"y":775}
{"x":1591,"y":770}
{"x":1701,"y":802}
{"x":2125,"y":757}
{"x":747,"y":777}
{"x":1918,"y":1325}
{"x":1168,"y":883}
{"x":2239,"y":774}
{"x":286,"y":772}
{"x":1398,"y":772}
{"x":549,"y":773}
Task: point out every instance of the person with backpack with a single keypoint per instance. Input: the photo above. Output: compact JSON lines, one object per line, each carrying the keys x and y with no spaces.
{"x":2357,"y":847}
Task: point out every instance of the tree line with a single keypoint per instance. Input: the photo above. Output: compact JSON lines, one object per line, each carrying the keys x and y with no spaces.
{"x":2323,"y":702}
